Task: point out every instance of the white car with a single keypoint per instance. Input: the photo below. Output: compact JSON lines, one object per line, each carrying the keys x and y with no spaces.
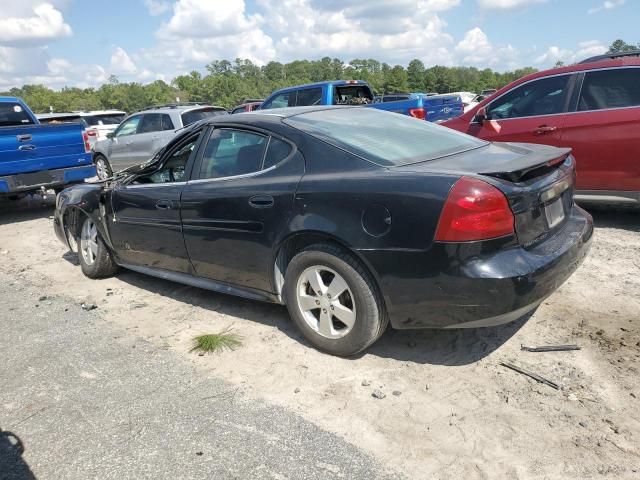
{"x":97,"y":124}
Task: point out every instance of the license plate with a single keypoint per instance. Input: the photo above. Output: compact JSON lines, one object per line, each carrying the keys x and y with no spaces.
{"x":554,"y":212}
{"x":37,"y":178}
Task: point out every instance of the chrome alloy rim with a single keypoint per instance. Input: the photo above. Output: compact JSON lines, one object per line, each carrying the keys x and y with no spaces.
{"x":101,"y":169}
{"x":89,"y":242}
{"x":326,"y":302}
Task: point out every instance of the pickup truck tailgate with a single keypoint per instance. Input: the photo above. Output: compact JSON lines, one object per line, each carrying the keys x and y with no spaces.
{"x":34,"y":148}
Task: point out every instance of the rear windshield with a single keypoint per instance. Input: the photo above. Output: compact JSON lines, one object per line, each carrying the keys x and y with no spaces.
{"x":352,"y":95}
{"x":387,"y":139}
{"x":104,"y":119}
{"x":193,"y":116}
{"x":62,"y":119}
{"x":12,"y":114}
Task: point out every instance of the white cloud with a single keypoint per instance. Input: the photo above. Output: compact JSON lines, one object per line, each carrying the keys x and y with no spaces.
{"x":507,"y":4}
{"x":607,"y":5}
{"x":555,"y":54}
{"x":43,"y":24}
{"x":475,"y":49}
{"x":121,"y":63}
{"x":157,"y":7}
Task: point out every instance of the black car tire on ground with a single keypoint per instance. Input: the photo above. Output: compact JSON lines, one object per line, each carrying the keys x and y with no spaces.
{"x":106,"y":168}
{"x":103,"y":265}
{"x":371,"y":318}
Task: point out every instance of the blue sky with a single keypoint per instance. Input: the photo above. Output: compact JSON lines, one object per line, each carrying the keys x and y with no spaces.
{"x":81,"y":43}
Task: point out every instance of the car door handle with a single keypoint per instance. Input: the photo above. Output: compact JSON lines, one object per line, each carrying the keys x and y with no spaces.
{"x":261,"y":201}
{"x":24,"y":138}
{"x":542,"y":129}
{"x":164,"y":204}
{"x":27,"y":148}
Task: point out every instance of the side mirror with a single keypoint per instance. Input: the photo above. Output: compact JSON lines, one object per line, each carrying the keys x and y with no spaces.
{"x":111,"y":135}
{"x":481,"y":115}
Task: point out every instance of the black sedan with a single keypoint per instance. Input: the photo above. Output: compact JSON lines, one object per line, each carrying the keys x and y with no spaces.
{"x":349,"y":216}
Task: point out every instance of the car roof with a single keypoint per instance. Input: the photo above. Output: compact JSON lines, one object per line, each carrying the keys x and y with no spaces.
{"x":178,"y":108}
{"x":10,"y":99}
{"x":274,"y":114}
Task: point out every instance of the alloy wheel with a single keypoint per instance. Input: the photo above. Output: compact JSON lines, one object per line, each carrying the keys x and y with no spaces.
{"x":89,"y":242}
{"x":101,"y":169}
{"x":326,"y":302}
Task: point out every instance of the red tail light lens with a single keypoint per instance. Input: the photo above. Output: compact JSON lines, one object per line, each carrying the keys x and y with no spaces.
{"x":92,"y":133}
{"x":474,"y":210}
{"x":87,"y":145}
{"x":418,"y":113}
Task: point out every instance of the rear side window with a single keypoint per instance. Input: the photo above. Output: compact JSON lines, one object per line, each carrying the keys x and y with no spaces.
{"x":539,"y":97}
{"x":193,"y":116}
{"x":309,"y":96}
{"x":285,"y":99}
{"x":167,"y":124}
{"x":151,"y":122}
{"x":615,"y":88}
{"x":232,"y":152}
{"x":276,"y":152}
{"x":12,"y":114}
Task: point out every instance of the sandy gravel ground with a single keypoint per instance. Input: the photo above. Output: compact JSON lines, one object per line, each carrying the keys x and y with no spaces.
{"x":451,"y":410}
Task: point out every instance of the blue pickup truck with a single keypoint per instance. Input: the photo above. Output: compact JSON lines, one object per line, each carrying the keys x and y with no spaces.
{"x":34,"y":155}
{"x":436,"y":108}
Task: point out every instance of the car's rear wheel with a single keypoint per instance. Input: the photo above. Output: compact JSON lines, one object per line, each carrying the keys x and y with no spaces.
{"x":103,"y":168}
{"x":333,"y":300}
{"x":95,"y":259}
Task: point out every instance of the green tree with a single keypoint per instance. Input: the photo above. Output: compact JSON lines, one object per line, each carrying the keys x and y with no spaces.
{"x":622,"y":46}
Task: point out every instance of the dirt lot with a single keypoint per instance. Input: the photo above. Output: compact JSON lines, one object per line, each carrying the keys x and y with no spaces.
{"x":451,"y":410}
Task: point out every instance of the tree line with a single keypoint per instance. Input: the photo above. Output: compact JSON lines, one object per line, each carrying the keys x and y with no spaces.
{"x":227,"y":83}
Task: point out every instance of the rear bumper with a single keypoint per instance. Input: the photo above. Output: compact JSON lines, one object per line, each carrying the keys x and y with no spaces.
{"x":46,"y":178}
{"x":476,"y":284}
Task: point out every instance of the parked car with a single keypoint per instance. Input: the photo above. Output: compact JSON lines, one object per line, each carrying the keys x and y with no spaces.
{"x":434,"y":108}
{"x":466,"y":97}
{"x":390,"y":219}
{"x":247,"y":106}
{"x":34,"y":155}
{"x":592,"y":107}
{"x":487,"y":92}
{"x":97,"y":124}
{"x":142,"y":134}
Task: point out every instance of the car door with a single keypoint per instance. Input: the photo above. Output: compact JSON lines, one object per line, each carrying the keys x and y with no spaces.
{"x":146,"y":226}
{"x":238,"y":203}
{"x":604,"y":130}
{"x":120,"y":147}
{"x":533,"y":112}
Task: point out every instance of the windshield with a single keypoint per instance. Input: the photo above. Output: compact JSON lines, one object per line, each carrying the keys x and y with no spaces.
{"x":104,"y":119}
{"x":193,"y":116}
{"x":385,"y":138}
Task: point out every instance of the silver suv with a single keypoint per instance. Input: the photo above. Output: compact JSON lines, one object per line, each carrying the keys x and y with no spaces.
{"x":143,"y":133}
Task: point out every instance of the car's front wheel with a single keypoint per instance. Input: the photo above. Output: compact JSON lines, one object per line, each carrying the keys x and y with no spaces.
{"x":103,"y":168}
{"x":333,"y":300}
{"x":94,"y":256}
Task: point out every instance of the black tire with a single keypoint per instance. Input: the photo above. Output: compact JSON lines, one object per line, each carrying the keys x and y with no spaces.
{"x":370,"y":315}
{"x":103,"y":264}
{"x":107,"y":166}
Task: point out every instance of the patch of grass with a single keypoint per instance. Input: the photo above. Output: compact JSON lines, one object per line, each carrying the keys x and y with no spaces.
{"x":217,"y":342}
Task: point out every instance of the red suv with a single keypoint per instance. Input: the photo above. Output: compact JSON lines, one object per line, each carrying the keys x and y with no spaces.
{"x":592,"y":107}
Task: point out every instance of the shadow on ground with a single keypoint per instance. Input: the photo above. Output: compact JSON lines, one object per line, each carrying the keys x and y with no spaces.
{"x":612,"y":217}
{"x":30,"y":207}
{"x":12,"y":464}
{"x":437,"y":347}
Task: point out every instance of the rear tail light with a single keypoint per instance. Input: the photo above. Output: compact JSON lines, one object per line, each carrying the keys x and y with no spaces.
{"x":92,"y":133}
{"x":474,"y":210}
{"x":87,"y":144}
{"x":418,"y":113}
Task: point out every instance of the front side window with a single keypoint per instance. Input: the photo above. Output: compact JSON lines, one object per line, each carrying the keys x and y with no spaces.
{"x":12,"y":114}
{"x":539,"y":97}
{"x":286,"y":99}
{"x":615,"y":88}
{"x":384,"y":138}
{"x":232,"y":152}
{"x":128,"y":127}
{"x":309,"y":96}
{"x":173,"y":169}
{"x":151,"y":122}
